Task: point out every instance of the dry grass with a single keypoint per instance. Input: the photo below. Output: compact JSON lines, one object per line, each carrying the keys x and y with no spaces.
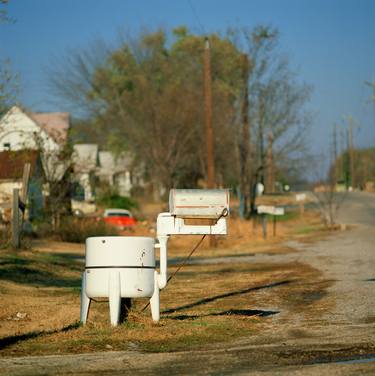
{"x":202,"y":306}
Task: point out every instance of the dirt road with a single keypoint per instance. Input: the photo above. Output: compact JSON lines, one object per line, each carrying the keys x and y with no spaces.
{"x":335,"y":323}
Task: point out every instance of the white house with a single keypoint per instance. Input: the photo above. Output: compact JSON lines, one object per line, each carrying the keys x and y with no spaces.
{"x":85,"y":162}
{"x":21,"y":129}
{"x":116,"y":170}
{"x":47,"y":132}
{"x":11,"y":173}
{"x":92,"y":165}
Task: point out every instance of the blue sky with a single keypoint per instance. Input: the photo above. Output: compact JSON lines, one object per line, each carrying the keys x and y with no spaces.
{"x":330,"y":44}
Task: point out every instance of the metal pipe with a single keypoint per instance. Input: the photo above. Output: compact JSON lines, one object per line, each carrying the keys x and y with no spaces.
{"x":163,"y":275}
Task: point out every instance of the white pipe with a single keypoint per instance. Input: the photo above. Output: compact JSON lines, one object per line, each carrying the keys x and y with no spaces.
{"x":162,"y":277}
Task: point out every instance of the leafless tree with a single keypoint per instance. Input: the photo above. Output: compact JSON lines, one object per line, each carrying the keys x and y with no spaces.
{"x":276,"y":119}
{"x":328,"y":198}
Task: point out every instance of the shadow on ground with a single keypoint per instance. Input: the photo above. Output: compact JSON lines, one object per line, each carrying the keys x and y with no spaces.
{"x":11,"y":340}
{"x":230,"y":312}
{"x":226,"y":295}
{"x":40,"y":269}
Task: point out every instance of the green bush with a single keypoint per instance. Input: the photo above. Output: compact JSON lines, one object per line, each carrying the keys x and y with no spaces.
{"x":76,"y":230}
{"x":113,"y":200}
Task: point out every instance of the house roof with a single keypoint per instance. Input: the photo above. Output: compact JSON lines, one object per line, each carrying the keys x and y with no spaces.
{"x":55,"y":124}
{"x":12,"y":163}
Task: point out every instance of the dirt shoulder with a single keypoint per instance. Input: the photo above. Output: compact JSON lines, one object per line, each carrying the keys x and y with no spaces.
{"x":270,"y":312}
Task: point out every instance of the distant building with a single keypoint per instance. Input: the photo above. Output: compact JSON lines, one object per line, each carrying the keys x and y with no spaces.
{"x":21,"y":129}
{"x":92,"y":167}
{"x":85,"y":165}
{"x":46,"y":132}
{"x":116,"y":171}
{"x":11,"y":172}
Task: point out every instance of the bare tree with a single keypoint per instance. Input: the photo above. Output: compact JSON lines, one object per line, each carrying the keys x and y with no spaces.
{"x":57,"y":178}
{"x":278,"y":121}
{"x":8,"y":80}
{"x":328,"y":199}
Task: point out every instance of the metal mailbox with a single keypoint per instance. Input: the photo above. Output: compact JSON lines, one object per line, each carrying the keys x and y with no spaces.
{"x":198,"y":203}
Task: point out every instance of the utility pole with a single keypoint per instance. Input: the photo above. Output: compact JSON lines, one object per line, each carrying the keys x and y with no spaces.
{"x":334,"y":141}
{"x":372,"y":85}
{"x":261,"y":136}
{"x":209,"y":128}
{"x":270,"y":182}
{"x":245,"y":140}
{"x":342,"y":155}
{"x":208,"y":112}
{"x":347,"y":161}
{"x":351,"y":152}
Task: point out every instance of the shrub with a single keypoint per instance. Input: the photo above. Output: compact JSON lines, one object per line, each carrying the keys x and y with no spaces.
{"x":113,"y":200}
{"x":76,"y":230}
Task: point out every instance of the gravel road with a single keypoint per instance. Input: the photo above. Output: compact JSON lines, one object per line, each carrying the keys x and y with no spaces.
{"x":341,"y":327}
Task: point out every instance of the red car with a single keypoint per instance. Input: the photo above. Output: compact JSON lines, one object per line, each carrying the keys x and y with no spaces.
{"x":120,"y":218}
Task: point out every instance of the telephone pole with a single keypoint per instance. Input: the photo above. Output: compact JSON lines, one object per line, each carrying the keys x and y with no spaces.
{"x":261,"y":136}
{"x":209,"y":129}
{"x":270,"y":181}
{"x":208,"y":112}
{"x":334,"y":156}
{"x":342,"y":155}
{"x":245,"y":139}
{"x":351,"y":152}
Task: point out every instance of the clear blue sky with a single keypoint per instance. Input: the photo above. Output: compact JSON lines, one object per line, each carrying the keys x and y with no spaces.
{"x":330,"y":43}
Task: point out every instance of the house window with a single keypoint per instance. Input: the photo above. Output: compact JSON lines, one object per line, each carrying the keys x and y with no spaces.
{"x":6,"y":146}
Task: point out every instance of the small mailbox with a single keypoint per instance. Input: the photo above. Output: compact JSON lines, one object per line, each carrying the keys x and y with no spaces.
{"x":272,"y":210}
{"x":198,"y":203}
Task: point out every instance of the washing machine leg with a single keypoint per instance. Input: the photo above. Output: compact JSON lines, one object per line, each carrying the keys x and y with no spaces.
{"x":155,"y":300}
{"x":114,"y":287}
{"x":85,"y":300}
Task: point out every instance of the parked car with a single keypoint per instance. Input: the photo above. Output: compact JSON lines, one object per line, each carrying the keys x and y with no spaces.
{"x":120,"y":218}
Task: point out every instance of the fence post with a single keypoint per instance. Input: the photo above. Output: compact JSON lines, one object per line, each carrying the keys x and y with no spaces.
{"x":274,"y":225}
{"x":15,"y":220}
{"x":264,"y":225}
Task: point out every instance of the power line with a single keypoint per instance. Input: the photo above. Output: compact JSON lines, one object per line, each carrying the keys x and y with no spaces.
{"x":203,"y":31}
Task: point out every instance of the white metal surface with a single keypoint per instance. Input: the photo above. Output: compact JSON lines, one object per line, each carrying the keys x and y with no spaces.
{"x":273,"y":210}
{"x":198,"y":203}
{"x":120,"y":251}
{"x":117,"y":267}
{"x":300,"y":196}
{"x":124,"y":266}
{"x":167,"y":224}
{"x":134,"y":283}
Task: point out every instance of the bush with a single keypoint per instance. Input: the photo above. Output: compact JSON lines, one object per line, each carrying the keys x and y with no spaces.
{"x":113,"y":200}
{"x":76,"y":230}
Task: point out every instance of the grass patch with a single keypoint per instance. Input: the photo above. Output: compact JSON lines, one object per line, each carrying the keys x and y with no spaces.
{"x":305,"y":230}
{"x":288,"y":216}
{"x":203,"y":306}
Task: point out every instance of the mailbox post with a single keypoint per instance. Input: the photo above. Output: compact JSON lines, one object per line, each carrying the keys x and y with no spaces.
{"x":265,"y":210}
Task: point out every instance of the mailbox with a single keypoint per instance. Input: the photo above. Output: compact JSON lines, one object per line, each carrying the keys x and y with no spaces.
{"x":198,"y":203}
{"x":124,"y":266}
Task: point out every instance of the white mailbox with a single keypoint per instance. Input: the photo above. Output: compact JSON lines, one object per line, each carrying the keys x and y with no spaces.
{"x":273,"y":210}
{"x":124,"y":266}
{"x":198,"y":203}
